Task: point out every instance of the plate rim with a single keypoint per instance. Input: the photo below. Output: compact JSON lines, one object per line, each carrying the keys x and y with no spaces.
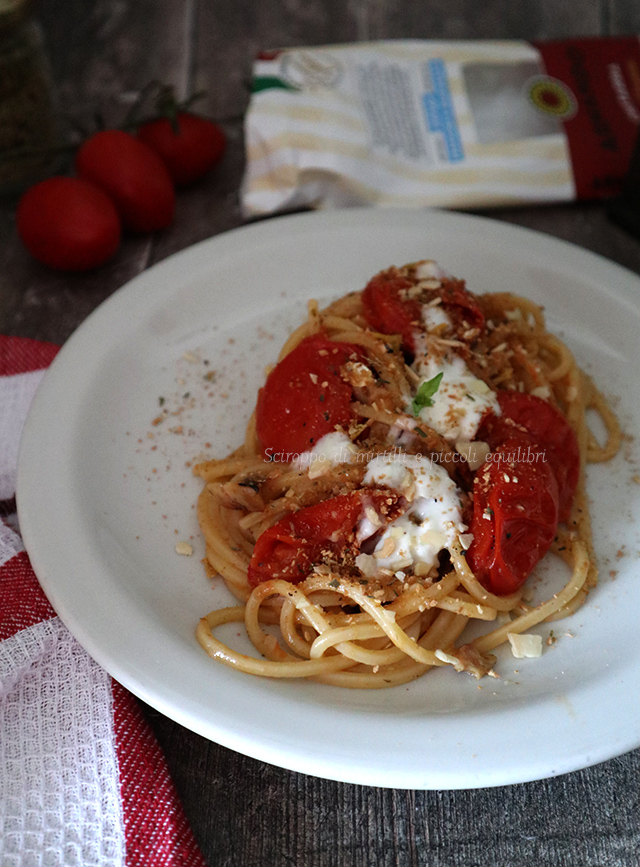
{"x":134,"y":289}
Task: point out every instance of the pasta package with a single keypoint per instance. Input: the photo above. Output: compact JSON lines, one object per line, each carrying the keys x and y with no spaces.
{"x":441,"y":123}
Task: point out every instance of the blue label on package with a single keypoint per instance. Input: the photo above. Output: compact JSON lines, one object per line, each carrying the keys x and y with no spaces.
{"x":438,"y":108}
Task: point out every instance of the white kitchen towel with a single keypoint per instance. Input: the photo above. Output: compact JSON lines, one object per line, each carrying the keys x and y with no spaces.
{"x":82,"y":779}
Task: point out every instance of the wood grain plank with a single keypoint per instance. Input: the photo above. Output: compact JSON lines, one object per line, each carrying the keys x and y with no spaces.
{"x":255,"y":814}
{"x":38,"y":302}
{"x":622,"y":16}
{"x":468,"y":19}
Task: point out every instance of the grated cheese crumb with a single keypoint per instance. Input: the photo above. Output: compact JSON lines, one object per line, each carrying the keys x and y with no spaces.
{"x":475,"y":452}
{"x":525,"y":646}
{"x":542,"y":391}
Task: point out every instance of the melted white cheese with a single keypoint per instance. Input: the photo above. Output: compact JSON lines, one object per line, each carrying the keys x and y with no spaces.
{"x":433,"y":316}
{"x":461,"y":400}
{"x":401,"y":432}
{"x":428,"y":269}
{"x":330,"y":450}
{"x":432,"y":521}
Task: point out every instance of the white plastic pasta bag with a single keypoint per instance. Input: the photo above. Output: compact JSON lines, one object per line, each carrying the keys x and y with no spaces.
{"x":452,"y":124}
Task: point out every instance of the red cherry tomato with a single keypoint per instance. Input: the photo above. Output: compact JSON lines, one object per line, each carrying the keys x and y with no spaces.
{"x":538,"y":423}
{"x":305,"y":397}
{"x":388,"y":312}
{"x":456,"y":298}
{"x":515,"y":518}
{"x":289,"y":549}
{"x":133,"y":175}
{"x":188,"y":153}
{"x":68,"y":223}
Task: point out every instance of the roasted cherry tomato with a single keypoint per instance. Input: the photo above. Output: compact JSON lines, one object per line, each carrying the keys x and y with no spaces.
{"x":538,"y":423}
{"x":68,"y":223}
{"x":387,"y":311}
{"x":456,"y":298}
{"x":133,"y":175}
{"x":515,"y":518}
{"x":289,"y":549}
{"x":189,"y":151}
{"x":305,"y":397}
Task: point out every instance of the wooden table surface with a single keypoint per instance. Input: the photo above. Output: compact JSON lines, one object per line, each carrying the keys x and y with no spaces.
{"x":244,"y":812}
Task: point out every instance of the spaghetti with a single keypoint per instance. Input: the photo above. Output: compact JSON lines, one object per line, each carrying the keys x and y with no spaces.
{"x":353,"y":616}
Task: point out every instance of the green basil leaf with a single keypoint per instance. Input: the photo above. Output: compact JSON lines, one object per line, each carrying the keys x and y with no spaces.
{"x":425,"y":393}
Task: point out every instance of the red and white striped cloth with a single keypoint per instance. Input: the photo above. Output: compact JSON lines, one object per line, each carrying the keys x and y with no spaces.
{"x":82,"y":779}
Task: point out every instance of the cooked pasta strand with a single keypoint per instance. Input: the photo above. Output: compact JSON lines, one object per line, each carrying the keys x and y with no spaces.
{"x":375,"y":633}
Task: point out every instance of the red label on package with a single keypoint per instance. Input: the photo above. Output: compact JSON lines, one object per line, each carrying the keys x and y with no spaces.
{"x":593,"y":86}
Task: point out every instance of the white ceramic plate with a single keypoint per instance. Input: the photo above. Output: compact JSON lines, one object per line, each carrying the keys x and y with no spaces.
{"x":104,"y":495}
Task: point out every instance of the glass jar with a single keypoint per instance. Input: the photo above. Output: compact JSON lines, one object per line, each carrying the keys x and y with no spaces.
{"x":28,"y":126}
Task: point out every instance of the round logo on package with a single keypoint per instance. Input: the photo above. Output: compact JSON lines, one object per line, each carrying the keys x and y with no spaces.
{"x":551,"y":96}
{"x":310,"y":69}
